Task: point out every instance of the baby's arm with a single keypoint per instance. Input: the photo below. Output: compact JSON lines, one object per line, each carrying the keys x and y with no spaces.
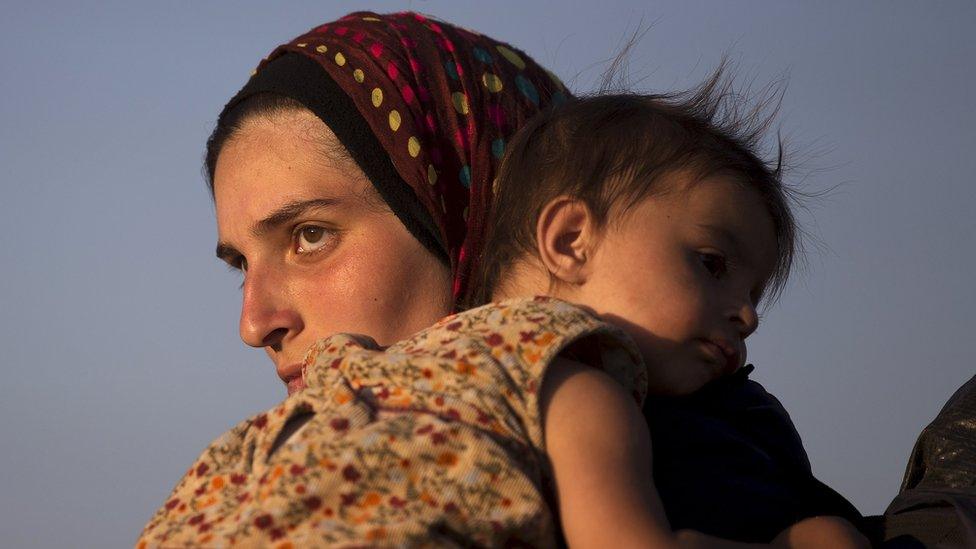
{"x":600,"y":449}
{"x":822,"y":532}
{"x":810,"y":533}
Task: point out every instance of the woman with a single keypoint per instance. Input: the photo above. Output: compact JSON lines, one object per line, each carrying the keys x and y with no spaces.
{"x":351,"y":177}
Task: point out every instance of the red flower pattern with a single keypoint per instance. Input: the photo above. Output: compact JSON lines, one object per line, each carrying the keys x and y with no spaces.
{"x":350,"y":473}
{"x":312,"y":503}
{"x":263,"y":521}
{"x":344,"y":481}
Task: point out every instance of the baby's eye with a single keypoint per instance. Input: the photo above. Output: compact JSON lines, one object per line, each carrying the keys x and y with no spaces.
{"x":756,"y":297}
{"x":310,"y":238}
{"x":714,"y":263}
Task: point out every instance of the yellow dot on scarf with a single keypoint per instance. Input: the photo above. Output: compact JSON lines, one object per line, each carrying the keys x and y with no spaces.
{"x":320,"y":49}
{"x":512,"y":57}
{"x":394,"y":120}
{"x":301,"y":44}
{"x":492,"y":82}
{"x":555,"y":79}
{"x":340,"y":59}
{"x":431,"y":174}
{"x":413,"y":146}
{"x":377,"y":97}
{"x":460,"y":102}
{"x":358,"y":75}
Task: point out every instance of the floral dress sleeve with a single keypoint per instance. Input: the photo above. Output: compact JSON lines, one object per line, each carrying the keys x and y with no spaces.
{"x":435,"y":441}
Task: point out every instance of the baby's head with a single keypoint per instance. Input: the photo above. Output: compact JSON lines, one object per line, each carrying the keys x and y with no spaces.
{"x":656,"y":213}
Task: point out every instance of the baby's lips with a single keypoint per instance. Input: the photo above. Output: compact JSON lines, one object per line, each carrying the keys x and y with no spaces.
{"x":732,"y":362}
{"x":733,"y":357}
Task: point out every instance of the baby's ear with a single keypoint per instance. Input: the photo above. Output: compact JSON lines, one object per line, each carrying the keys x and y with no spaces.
{"x":565,"y":236}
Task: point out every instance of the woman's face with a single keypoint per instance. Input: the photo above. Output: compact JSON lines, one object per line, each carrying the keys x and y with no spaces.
{"x":321,"y":253}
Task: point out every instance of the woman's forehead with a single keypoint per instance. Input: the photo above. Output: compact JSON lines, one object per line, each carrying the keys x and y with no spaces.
{"x":270,"y":164}
{"x":291,"y":130}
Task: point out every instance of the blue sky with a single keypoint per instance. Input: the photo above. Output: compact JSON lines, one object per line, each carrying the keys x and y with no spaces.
{"x":121,"y":357}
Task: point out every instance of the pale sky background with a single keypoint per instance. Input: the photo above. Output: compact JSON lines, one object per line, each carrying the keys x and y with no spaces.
{"x":118,"y":327}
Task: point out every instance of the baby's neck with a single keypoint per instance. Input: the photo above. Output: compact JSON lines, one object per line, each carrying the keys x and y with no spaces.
{"x":527,"y":279}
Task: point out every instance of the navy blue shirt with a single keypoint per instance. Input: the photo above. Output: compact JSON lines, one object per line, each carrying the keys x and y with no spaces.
{"x":729,"y":462}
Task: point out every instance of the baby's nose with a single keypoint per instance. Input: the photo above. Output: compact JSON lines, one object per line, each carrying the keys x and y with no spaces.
{"x":746,"y":319}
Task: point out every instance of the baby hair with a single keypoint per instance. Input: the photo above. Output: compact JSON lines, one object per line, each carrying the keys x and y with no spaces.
{"x":611,"y":151}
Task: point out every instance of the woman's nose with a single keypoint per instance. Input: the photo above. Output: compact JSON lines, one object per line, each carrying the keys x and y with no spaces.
{"x":267,"y":317}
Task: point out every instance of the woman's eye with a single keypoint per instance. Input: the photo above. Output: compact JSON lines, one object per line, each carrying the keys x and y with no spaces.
{"x":714,"y":263}
{"x":310,"y":238}
{"x":237,"y":264}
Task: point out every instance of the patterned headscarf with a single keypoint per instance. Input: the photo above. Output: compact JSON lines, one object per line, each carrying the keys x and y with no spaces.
{"x":439,"y":101}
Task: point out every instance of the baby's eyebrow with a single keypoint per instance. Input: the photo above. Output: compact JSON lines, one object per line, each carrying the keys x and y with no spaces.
{"x":731,"y":239}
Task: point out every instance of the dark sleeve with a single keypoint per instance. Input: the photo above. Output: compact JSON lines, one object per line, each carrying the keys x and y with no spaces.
{"x":729,"y":462}
{"x":937,"y":502}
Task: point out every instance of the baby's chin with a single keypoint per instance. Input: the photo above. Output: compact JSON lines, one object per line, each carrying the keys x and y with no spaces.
{"x":679,"y":380}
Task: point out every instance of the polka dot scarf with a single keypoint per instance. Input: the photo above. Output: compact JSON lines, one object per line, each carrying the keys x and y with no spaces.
{"x":439,"y":100}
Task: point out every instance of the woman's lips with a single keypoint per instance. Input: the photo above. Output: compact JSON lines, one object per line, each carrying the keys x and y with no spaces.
{"x":295,"y":384}
{"x":291,"y":375}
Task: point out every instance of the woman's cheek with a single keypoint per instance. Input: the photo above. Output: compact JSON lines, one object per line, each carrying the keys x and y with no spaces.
{"x":359,"y":288}
{"x":334,"y":291}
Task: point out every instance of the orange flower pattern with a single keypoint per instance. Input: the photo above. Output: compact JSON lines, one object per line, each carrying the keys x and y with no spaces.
{"x":435,"y":441}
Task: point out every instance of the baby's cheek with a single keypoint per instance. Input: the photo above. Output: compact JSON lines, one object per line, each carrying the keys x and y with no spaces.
{"x":659,"y":359}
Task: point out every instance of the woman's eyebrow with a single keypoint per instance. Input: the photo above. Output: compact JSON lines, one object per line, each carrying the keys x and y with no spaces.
{"x":289,"y":212}
{"x":226,"y":252}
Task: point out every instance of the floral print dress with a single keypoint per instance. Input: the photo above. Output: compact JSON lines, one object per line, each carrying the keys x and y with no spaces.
{"x":434,"y":441}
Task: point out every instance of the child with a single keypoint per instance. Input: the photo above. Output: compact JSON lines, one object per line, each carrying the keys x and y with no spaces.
{"x":663,"y":228}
